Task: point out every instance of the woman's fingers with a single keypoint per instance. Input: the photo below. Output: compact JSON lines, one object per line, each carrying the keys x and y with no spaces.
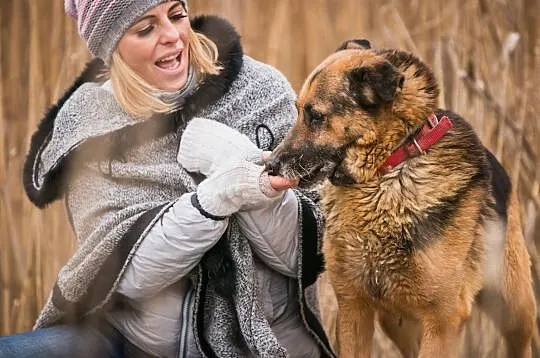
{"x":281,"y":183}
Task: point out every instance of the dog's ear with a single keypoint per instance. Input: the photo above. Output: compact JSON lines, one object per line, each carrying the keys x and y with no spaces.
{"x":360,"y":44}
{"x":376,"y":84}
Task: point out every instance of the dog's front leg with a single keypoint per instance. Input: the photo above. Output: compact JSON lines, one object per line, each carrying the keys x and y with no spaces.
{"x":355,"y":325}
{"x":440,"y":337}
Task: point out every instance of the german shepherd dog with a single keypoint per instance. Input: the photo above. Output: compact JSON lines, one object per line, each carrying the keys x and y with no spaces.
{"x":421,"y":220}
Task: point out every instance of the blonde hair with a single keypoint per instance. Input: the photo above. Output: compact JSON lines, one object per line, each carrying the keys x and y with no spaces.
{"x":141,"y":99}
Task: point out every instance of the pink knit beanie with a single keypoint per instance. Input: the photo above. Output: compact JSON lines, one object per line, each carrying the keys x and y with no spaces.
{"x":102,"y":23}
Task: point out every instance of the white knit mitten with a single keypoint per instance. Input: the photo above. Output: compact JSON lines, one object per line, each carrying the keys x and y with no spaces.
{"x":206,"y":144}
{"x":235,"y":186}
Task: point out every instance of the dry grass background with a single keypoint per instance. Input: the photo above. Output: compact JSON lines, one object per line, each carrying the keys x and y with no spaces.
{"x":486,"y":55}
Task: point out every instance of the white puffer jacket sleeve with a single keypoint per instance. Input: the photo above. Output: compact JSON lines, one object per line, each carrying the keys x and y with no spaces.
{"x":177,"y":242}
{"x":273,"y":233}
{"x":171,"y":249}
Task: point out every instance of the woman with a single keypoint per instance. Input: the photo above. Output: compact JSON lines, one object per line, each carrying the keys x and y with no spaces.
{"x":166,"y":267}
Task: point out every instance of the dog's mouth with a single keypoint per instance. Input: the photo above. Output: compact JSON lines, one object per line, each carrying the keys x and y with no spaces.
{"x":316,"y":175}
{"x":312,"y":167}
{"x":328,"y":170}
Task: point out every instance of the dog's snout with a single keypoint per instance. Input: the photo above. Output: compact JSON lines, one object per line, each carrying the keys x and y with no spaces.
{"x":273,"y":165}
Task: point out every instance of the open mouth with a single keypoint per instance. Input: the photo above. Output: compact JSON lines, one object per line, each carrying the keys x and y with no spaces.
{"x":170,"y":63}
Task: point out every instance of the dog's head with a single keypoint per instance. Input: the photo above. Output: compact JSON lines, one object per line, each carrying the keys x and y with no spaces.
{"x":353,"y":110}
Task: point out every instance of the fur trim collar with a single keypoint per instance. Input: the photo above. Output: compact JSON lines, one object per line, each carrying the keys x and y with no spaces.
{"x":44,"y":183}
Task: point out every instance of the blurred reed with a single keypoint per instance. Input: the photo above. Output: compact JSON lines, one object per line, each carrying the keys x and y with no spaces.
{"x":485,"y":54}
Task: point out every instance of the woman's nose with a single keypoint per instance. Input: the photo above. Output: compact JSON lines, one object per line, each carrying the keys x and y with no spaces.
{"x":169,"y":33}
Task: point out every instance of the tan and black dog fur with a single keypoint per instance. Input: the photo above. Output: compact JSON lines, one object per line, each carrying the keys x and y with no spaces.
{"x":416,"y":246}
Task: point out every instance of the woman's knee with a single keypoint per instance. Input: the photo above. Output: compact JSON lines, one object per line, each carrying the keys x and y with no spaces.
{"x":59,"y":341}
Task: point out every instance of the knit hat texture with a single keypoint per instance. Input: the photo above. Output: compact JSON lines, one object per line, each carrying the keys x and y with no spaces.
{"x":101,"y":23}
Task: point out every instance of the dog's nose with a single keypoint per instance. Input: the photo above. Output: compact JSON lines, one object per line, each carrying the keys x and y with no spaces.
{"x":273,"y":165}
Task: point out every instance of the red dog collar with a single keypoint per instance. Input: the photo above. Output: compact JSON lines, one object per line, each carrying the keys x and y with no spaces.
{"x":430,"y":134}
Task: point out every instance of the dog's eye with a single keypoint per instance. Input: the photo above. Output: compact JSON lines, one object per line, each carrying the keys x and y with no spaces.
{"x":316,"y":118}
{"x":313,"y":117}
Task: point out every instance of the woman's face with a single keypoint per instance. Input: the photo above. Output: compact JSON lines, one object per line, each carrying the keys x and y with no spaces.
{"x":156,"y":46}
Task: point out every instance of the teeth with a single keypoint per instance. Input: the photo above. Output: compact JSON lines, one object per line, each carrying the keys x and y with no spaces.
{"x":170,"y":58}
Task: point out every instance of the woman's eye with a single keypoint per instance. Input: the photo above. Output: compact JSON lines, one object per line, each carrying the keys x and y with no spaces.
{"x":147,"y":30}
{"x":178,"y":16}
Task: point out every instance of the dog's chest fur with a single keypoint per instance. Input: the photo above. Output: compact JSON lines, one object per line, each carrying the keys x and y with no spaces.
{"x":378,"y":233}
{"x":367,"y":239}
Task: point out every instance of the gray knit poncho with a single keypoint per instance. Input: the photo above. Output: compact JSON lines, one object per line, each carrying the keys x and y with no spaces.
{"x":118,"y":175}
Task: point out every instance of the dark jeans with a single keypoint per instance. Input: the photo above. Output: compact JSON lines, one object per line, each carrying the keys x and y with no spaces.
{"x":82,"y":341}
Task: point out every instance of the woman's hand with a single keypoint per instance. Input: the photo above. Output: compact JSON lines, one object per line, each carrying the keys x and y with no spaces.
{"x":206,"y":145}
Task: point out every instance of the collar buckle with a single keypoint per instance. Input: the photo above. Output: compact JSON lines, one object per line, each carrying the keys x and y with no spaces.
{"x":433,"y":120}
